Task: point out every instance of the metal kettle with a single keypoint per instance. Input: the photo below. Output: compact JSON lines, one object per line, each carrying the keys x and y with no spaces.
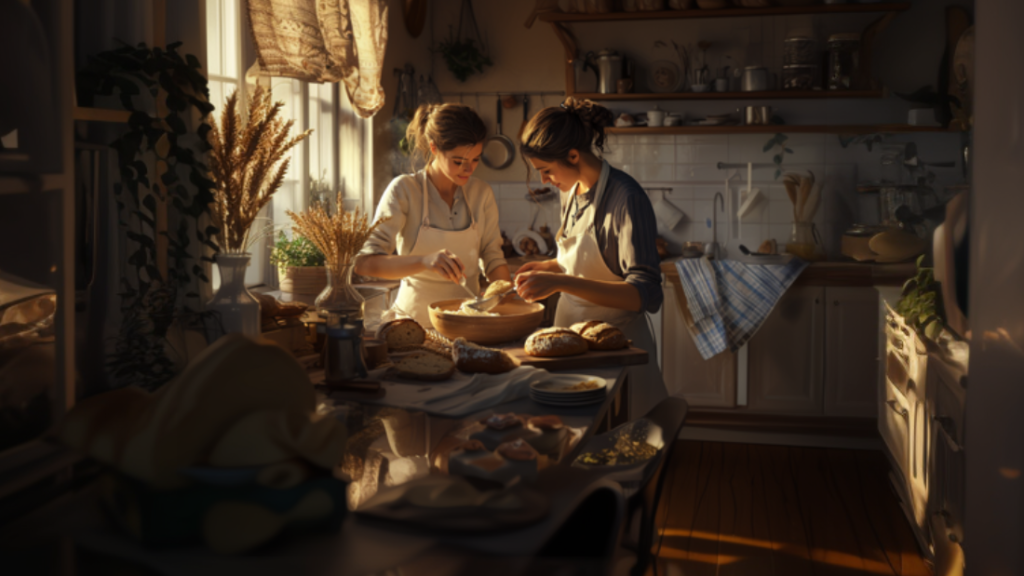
{"x":608,"y":65}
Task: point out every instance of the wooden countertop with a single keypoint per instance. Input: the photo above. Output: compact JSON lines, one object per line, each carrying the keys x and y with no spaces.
{"x":837,"y":273}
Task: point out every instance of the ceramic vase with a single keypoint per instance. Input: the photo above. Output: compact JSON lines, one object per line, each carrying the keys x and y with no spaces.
{"x":238,"y":309}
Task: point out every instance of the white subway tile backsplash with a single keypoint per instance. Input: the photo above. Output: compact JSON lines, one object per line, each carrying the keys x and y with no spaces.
{"x":687,"y":164}
{"x":654,"y":154}
{"x":654,"y":172}
{"x":685,"y":153}
{"x":701,"y":139}
{"x":699,"y":173}
{"x":702,"y":221}
{"x":781,"y":233}
{"x":707,"y":192}
{"x":515,"y":210}
{"x":780,"y":212}
{"x":619,"y":154}
{"x":655,"y":139}
{"x":711,"y":153}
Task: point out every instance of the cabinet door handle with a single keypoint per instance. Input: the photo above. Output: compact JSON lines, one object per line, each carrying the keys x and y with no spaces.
{"x":895,"y":406}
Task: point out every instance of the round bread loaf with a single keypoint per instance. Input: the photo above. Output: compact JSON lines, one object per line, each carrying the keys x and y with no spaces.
{"x":470,"y":357}
{"x":601,"y":335}
{"x":425,"y":365}
{"x":551,"y":342}
{"x":402,"y":334}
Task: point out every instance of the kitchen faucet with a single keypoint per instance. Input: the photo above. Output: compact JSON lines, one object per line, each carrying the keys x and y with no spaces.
{"x":711,"y":251}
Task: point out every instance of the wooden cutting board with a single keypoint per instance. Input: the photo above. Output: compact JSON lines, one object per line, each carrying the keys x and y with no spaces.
{"x":592,"y":359}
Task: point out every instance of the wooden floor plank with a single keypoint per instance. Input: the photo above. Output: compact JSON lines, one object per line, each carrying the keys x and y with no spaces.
{"x":876,"y":468}
{"x":835,"y":549}
{"x":876,"y":496}
{"x":845,"y":477}
{"x":739,"y":509}
{"x":680,"y":505}
{"x":702,"y":552}
{"x":744,"y":543}
{"x":791,"y":550}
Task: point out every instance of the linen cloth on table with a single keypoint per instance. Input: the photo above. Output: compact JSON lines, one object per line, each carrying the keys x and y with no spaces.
{"x":461,"y":395}
{"x":729,"y":300}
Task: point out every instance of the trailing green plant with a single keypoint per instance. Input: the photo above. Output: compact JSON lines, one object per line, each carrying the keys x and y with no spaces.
{"x":298,"y":251}
{"x":462,"y":56}
{"x":920,"y":302}
{"x":779,"y":143}
{"x":145,"y":79}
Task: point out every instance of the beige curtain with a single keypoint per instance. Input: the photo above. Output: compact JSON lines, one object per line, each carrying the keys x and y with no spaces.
{"x":325,"y":41}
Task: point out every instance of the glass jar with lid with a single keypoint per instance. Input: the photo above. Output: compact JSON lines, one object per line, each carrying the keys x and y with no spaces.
{"x":843,"y":61}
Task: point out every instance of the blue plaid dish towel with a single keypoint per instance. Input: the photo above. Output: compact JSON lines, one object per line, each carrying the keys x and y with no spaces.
{"x":729,"y":300}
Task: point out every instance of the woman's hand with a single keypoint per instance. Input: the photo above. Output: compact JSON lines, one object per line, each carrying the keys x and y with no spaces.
{"x":540,"y":265}
{"x":445,"y":264}
{"x":534,"y":285}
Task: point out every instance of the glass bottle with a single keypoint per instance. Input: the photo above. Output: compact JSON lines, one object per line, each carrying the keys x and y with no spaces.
{"x":340,"y":296}
{"x":805,"y":243}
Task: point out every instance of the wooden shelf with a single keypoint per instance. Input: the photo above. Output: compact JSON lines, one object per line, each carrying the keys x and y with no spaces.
{"x":768,"y":95}
{"x":772,"y":129}
{"x":726,"y":13}
{"x":101,"y":115}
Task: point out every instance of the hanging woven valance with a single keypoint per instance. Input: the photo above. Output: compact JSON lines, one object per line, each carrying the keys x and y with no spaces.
{"x":324,"y":41}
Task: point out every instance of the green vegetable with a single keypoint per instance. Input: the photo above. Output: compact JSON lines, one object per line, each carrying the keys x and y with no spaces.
{"x":921,"y":303}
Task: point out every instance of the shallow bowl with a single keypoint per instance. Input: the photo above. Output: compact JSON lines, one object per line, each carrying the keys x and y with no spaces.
{"x":517,"y":319}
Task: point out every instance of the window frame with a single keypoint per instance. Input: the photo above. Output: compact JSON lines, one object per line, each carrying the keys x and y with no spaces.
{"x":338,"y":160}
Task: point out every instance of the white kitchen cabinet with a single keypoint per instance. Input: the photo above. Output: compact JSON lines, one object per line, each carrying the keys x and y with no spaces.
{"x":707,"y":383}
{"x":785,"y":360}
{"x":851,"y":352}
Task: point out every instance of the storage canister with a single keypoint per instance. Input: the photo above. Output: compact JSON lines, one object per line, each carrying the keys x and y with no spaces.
{"x":843,"y":61}
{"x":801,"y":77}
{"x":799,"y":50}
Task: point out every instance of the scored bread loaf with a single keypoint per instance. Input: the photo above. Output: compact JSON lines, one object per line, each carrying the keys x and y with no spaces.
{"x":402,"y":334}
{"x":601,"y":335}
{"x":557,"y":341}
{"x":470,"y":357}
{"x":424,"y":365}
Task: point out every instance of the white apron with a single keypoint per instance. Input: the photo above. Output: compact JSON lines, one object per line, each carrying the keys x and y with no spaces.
{"x":580,"y":255}
{"x":419,"y":291}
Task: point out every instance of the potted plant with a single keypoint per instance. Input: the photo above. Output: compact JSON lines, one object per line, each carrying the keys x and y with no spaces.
{"x":300,"y":265}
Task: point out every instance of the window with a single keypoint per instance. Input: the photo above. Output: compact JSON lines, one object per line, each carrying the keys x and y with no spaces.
{"x":332,"y":157}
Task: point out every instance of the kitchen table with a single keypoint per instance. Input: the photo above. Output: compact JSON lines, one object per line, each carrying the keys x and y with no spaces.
{"x":73,"y":524}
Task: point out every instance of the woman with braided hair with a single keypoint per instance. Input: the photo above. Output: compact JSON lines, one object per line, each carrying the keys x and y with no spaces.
{"x":607,"y":267}
{"x":441,"y":223}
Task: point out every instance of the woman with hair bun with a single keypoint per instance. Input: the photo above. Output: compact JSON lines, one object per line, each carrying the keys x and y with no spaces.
{"x":442,"y":223}
{"x":607,"y":267}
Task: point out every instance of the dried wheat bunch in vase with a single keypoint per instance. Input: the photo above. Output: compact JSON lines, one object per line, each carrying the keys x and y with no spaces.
{"x":339,"y":235}
{"x":248,"y":161}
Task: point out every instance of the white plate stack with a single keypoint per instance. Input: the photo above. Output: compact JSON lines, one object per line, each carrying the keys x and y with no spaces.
{"x":558,"y":390}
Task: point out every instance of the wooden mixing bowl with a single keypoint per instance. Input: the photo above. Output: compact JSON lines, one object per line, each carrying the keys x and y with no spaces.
{"x":517,"y":319}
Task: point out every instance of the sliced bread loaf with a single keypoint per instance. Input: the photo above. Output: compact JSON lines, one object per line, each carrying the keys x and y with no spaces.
{"x":425,"y":366}
{"x":402,"y":334}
